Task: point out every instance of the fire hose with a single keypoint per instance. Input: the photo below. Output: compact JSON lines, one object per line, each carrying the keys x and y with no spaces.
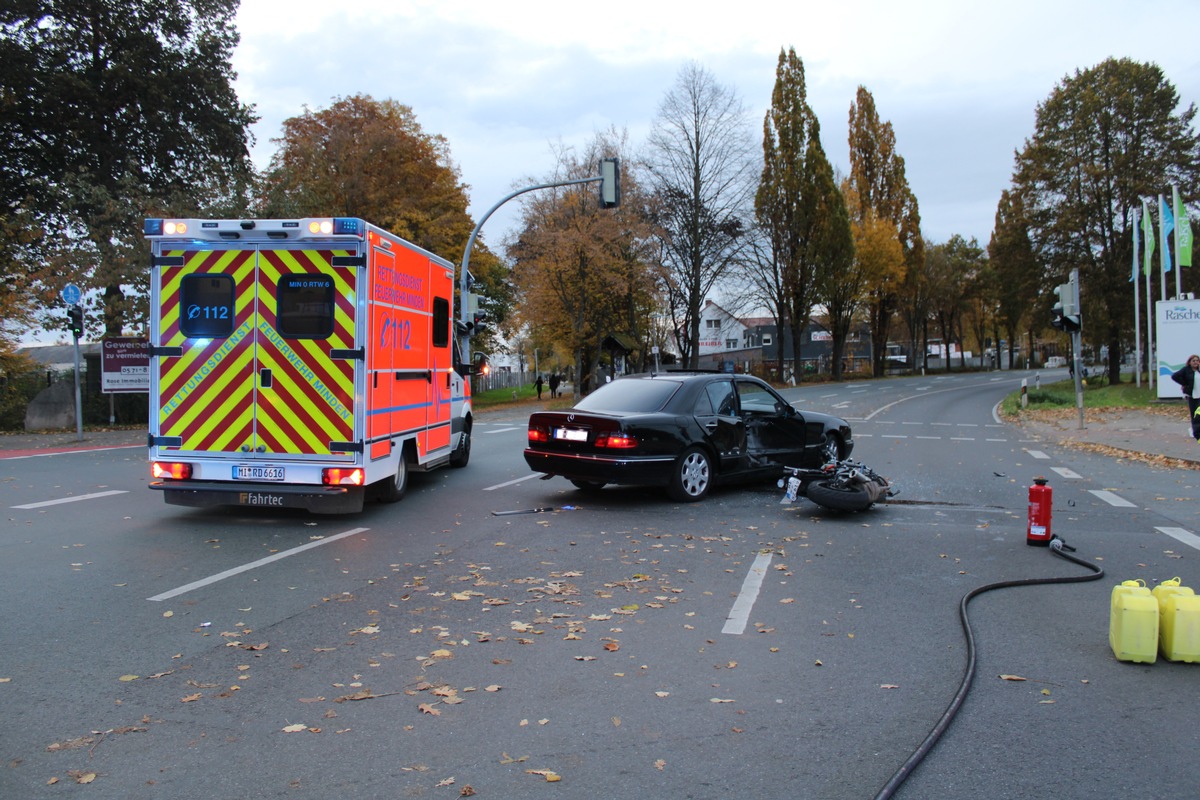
{"x":1059,"y":548}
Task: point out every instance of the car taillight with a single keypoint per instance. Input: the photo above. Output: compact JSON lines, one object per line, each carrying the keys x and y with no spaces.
{"x":538,"y":434}
{"x":171,"y":469}
{"x":342,"y":476}
{"x":616,"y":441}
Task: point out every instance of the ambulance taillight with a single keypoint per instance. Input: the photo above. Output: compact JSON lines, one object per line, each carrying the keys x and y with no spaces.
{"x":175,"y":470}
{"x":343,"y":476}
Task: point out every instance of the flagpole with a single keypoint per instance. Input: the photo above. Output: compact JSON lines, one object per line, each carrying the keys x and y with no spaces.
{"x":1162,"y":251}
{"x":1178,"y":263}
{"x":1148,"y":221}
{"x":1137,"y":305}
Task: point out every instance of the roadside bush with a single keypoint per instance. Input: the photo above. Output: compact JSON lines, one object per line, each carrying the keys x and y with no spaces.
{"x":16,"y":392}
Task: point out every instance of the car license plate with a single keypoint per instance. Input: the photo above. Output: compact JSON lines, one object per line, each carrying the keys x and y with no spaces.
{"x":570,"y":434}
{"x":253,"y":473}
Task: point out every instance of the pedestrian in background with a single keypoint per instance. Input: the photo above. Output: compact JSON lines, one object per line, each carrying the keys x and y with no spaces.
{"x":1186,"y":378}
{"x":554,"y":381}
{"x":538,"y":385}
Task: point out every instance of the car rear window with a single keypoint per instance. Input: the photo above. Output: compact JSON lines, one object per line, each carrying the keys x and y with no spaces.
{"x":629,"y":395}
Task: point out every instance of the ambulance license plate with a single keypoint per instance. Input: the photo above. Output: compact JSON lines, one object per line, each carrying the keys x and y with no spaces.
{"x":253,"y":473}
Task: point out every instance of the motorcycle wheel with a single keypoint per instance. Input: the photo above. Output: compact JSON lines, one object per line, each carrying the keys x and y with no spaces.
{"x":846,"y":498}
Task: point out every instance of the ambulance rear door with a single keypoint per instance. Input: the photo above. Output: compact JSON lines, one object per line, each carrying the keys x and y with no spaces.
{"x":256,"y":351}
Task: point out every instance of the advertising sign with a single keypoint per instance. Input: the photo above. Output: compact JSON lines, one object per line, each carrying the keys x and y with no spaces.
{"x":1177,"y":334}
{"x":124,"y":365}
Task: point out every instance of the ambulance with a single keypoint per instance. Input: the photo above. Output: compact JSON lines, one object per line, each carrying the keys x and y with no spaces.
{"x":300,"y":363}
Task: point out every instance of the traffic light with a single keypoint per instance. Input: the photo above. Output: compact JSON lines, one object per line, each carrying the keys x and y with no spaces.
{"x":476,"y":315}
{"x":1058,"y":311}
{"x":1072,"y":319}
{"x":75,"y":320}
{"x":1065,"y":313}
{"x":610,"y":182}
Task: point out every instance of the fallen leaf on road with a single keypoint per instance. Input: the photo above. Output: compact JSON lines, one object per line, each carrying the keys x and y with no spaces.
{"x":550,"y":775}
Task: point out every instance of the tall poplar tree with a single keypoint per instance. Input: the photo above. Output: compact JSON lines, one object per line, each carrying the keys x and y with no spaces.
{"x":132,"y":114}
{"x":880,"y":184}
{"x":798,"y":205}
{"x":1015,"y":268}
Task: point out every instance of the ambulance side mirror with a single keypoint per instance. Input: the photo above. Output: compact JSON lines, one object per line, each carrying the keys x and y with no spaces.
{"x":481,"y":364}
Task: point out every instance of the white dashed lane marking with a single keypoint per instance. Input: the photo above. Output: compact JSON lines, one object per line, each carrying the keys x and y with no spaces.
{"x":1182,"y":535}
{"x":1112,"y":499}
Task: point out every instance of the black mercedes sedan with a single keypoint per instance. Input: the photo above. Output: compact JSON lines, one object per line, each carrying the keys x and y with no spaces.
{"x":687,"y":431}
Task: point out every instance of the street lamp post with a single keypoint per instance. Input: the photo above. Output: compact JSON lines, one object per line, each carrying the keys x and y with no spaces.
{"x":610,"y":197}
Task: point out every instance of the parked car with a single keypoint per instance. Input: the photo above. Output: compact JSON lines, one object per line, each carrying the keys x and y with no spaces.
{"x":685,"y":431}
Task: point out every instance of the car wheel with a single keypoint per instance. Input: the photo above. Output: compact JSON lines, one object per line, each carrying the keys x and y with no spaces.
{"x":588,"y":486}
{"x":462,"y":453}
{"x":692,"y":476}
{"x":832,"y":450}
{"x":393,"y":490}
{"x":848,"y":498}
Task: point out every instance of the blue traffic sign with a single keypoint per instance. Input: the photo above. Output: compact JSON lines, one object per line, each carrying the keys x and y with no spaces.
{"x":71,"y":294}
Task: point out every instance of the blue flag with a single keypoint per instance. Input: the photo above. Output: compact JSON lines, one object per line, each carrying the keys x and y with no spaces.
{"x":1168,"y":225}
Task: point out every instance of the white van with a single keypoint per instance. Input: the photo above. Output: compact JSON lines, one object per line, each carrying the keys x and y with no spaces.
{"x":1055,"y":362}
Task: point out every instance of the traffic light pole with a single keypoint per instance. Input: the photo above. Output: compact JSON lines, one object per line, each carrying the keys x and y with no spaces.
{"x":1076,"y":347}
{"x":610,"y":196}
{"x":78,"y":401}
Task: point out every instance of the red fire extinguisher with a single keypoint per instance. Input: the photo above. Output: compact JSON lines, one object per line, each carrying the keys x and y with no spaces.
{"x":1041,"y":498}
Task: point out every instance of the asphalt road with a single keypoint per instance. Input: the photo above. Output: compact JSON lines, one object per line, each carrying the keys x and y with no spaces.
{"x":464,"y":641}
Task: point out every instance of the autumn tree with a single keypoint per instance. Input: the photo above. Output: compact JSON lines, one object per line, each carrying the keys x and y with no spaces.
{"x":368,"y":158}
{"x":582,"y":272}
{"x":132,"y":114}
{"x":1015,"y":267}
{"x":698,"y":158}
{"x":847,"y":294}
{"x":1104,"y":139}
{"x":954,"y":271}
{"x":878,"y":177}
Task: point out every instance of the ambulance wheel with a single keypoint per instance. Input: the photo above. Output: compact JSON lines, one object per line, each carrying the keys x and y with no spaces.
{"x":462,"y":453}
{"x":391,"y":491}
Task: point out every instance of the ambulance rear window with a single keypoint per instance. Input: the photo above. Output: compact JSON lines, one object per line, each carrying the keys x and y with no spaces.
{"x":206,"y":306}
{"x":305,"y":308}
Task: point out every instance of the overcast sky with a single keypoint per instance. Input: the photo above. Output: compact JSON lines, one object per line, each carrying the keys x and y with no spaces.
{"x":504,"y":82}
